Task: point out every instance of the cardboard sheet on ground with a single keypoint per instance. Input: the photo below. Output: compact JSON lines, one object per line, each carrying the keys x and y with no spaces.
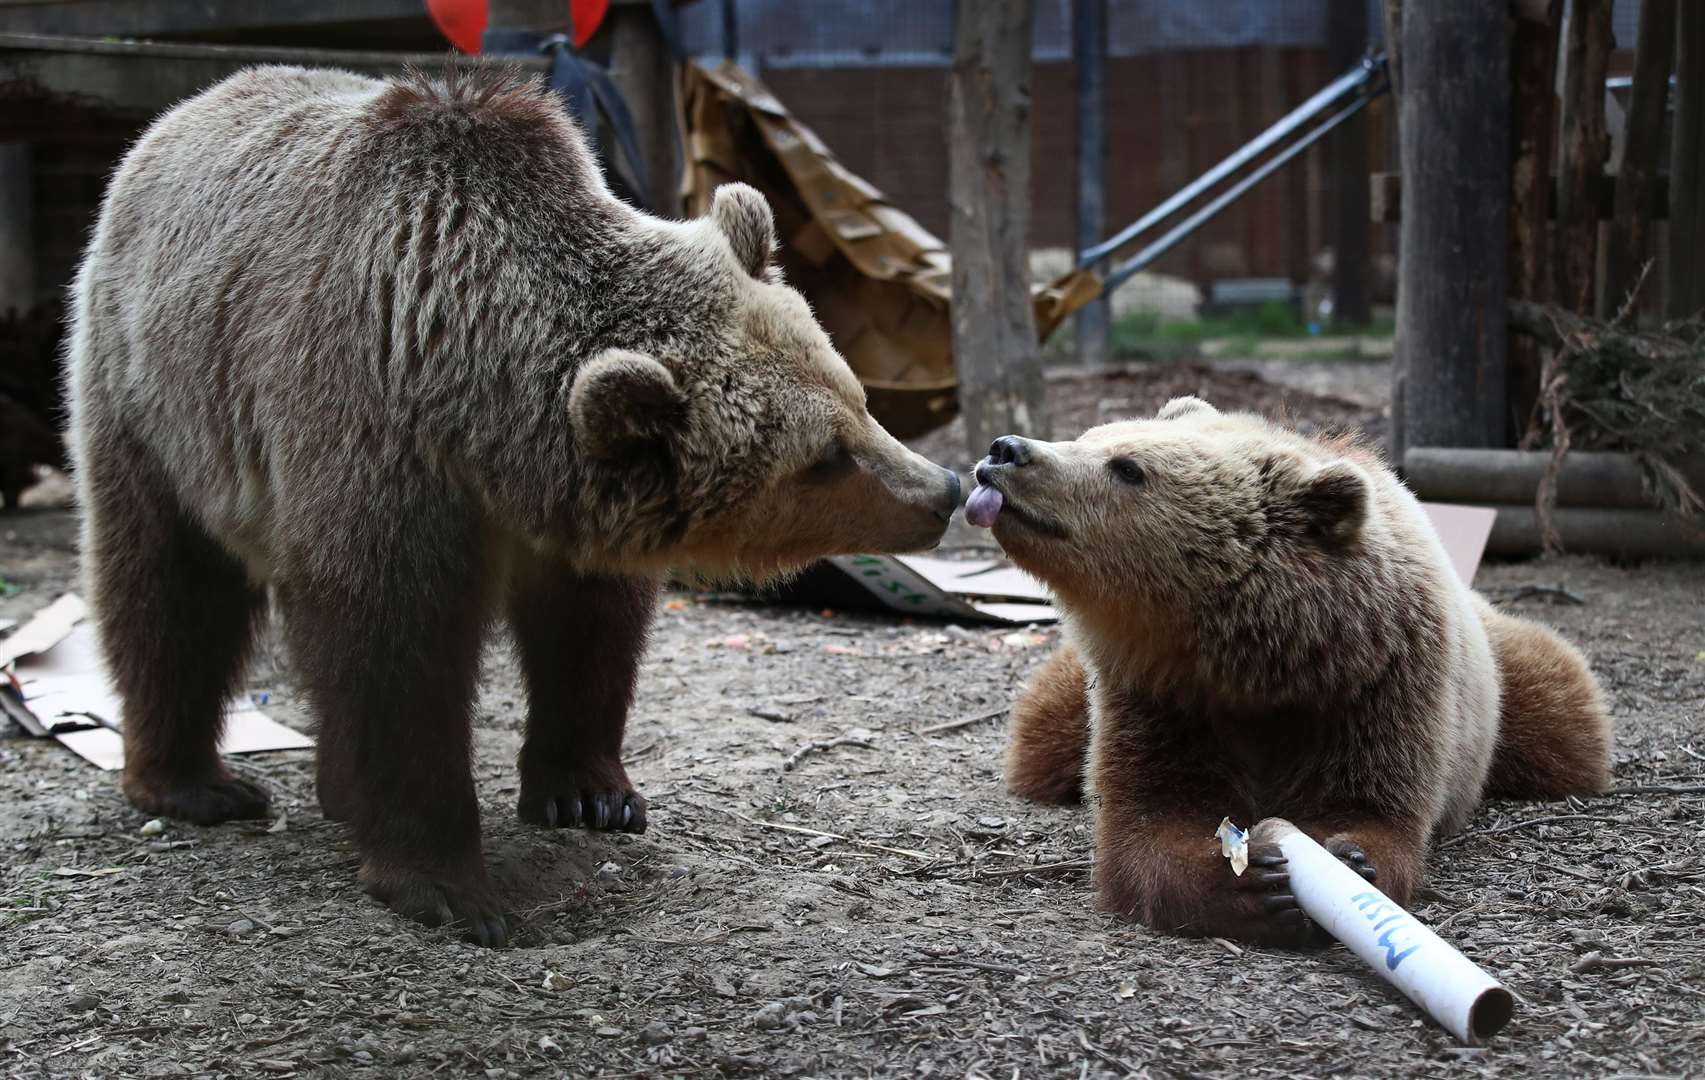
{"x":992,"y":590}
{"x":58,"y":688}
{"x":981,"y":589}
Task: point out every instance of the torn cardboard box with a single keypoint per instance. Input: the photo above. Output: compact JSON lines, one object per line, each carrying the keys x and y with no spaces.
{"x":879,"y":283}
{"x":992,"y":590}
{"x":55,"y":686}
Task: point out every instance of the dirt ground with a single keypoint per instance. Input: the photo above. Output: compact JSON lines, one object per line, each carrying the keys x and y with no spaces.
{"x":881,"y":908}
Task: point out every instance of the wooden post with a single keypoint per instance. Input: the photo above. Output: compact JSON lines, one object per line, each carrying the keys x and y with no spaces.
{"x":1585,"y":58}
{"x":1533,"y":76}
{"x":1346,"y":42}
{"x":988,"y":123}
{"x":730,"y":30}
{"x":1456,"y":191}
{"x":1392,"y":10}
{"x":1685,"y":292}
{"x":1089,"y":56}
{"x":17,"y":231}
{"x":1640,"y":147}
{"x":643,"y":70}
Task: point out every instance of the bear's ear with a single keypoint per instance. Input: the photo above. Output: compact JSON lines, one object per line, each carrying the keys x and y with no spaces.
{"x":744,"y":217}
{"x":622,"y":400}
{"x":1334,"y":503}
{"x":1185,"y":406}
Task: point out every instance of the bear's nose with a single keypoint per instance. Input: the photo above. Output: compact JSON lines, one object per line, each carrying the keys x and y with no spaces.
{"x":1010,"y":450}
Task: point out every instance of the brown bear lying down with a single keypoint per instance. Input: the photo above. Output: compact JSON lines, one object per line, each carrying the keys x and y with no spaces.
{"x":1263,"y":624}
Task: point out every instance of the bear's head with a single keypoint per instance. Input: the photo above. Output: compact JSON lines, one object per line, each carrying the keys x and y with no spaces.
{"x":1197,"y":531}
{"x":735,"y":432}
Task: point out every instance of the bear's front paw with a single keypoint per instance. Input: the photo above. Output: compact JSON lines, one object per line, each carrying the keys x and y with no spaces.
{"x":1351,"y":854}
{"x":208,"y":801}
{"x":596,"y":797}
{"x":437,"y":900}
{"x":1262,"y":907}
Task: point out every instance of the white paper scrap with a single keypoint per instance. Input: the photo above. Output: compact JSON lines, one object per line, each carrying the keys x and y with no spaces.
{"x":57,"y":665}
{"x":1234,"y":845}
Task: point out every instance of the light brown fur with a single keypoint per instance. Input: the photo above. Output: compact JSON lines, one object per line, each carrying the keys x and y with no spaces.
{"x":392,"y":350}
{"x":1264,"y":625}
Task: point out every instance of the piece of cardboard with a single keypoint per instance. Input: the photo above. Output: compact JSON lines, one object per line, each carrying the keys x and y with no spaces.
{"x":993,"y":590}
{"x":979,"y":589}
{"x":1464,"y":531}
{"x":879,"y":283}
{"x":46,"y":628}
{"x":58,"y":688}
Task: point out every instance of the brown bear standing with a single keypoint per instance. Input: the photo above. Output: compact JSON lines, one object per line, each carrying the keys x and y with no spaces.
{"x":392,"y":350}
{"x":1265,"y":625}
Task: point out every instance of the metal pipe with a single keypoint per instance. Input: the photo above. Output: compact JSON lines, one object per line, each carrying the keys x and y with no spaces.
{"x":1350,"y":82}
{"x":1230,"y":195}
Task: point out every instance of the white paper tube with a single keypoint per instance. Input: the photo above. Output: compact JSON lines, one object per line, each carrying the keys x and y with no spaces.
{"x":1452,"y":989}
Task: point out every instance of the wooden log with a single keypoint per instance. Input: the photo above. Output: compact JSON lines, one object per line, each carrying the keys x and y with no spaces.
{"x":1533,"y":68}
{"x":17,"y":230}
{"x":1089,"y":57}
{"x":1630,"y":230}
{"x":1585,"y":144}
{"x":145,"y":18}
{"x":1453,"y":255}
{"x":1623,"y":534}
{"x":1684,"y":293}
{"x":994,"y":332}
{"x":1346,"y":42}
{"x":143,"y":77}
{"x":1587,"y":478}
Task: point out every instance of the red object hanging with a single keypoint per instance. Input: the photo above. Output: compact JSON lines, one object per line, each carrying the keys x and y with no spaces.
{"x":588,"y":15}
{"x":462,"y":22}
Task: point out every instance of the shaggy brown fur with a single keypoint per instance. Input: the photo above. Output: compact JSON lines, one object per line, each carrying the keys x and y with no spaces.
{"x":1264,"y":625}
{"x":392,"y":349}
{"x":1050,"y":731}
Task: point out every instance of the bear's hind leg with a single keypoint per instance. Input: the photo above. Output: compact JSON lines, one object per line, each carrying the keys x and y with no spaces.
{"x":384,"y":623}
{"x":177,"y":615}
{"x":580,"y":638}
{"x":1050,"y":732}
{"x":1553,"y":729}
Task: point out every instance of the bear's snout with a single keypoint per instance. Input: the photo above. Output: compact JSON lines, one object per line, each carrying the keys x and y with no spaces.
{"x":1010,"y":450}
{"x":945,"y":510}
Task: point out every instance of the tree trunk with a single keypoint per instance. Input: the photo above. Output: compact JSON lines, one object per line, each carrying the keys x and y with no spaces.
{"x":994,"y":330}
{"x":1685,"y":296}
{"x":1346,"y":41}
{"x":1630,"y":229}
{"x":1456,"y":190}
{"x":1586,"y":56}
{"x":1533,"y":113}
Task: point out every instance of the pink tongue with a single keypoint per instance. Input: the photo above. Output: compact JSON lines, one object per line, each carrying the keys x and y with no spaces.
{"x":983,"y":507}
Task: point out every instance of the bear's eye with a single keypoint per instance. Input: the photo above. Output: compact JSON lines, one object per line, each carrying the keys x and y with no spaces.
{"x":832,"y":462}
{"x":1128,"y":471}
